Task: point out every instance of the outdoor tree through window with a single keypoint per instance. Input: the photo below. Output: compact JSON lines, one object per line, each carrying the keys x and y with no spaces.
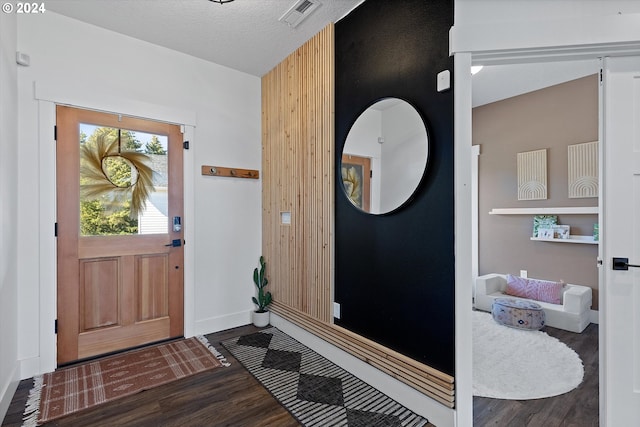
{"x":123,"y":182}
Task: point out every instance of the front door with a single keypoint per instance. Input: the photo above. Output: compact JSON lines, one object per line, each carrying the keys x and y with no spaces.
{"x":119,"y":232}
{"x":620,"y":301}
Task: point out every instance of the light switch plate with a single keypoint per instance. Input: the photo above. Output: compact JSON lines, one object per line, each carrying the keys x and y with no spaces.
{"x":444,"y":80}
{"x":336,"y":310}
{"x":22,"y":59}
{"x":285,"y":217}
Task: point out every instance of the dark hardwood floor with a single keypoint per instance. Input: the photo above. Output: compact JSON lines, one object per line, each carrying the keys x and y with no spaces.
{"x":220,"y":397}
{"x":232,"y":397}
{"x":577,"y":408}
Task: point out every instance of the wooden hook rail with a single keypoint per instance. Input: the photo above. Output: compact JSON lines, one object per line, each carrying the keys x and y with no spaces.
{"x":230,"y":172}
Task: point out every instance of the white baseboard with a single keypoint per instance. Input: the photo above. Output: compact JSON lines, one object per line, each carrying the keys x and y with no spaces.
{"x":594,"y":317}
{"x":419,"y":403}
{"x":30,"y":367}
{"x":8,"y":391}
{"x":220,"y":323}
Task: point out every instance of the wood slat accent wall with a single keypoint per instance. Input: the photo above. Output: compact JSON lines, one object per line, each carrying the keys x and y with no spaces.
{"x":297,"y":168}
{"x":298,"y":177}
{"x":431,"y":382}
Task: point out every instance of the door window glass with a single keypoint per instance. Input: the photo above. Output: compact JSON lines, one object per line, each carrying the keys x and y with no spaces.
{"x":123,"y":181}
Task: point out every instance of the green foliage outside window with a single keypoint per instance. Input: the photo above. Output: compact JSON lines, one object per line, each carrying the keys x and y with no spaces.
{"x":154,"y":146}
{"x":103,"y":216}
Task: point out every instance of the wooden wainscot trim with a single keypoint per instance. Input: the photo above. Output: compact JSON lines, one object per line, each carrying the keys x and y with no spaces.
{"x":230,"y":172}
{"x":427,"y":380}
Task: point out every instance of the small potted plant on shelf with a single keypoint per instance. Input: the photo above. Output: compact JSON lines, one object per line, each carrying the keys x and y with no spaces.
{"x":260,"y":317}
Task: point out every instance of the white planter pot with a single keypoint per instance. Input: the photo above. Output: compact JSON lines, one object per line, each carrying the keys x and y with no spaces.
{"x":260,"y":319}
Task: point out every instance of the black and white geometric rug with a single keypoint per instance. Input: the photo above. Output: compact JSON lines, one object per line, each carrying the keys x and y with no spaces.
{"x":316,"y":391}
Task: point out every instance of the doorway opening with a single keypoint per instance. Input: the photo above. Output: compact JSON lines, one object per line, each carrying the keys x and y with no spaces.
{"x":537,"y":114}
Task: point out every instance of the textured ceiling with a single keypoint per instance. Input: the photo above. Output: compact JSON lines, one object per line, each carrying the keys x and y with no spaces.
{"x":244,"y":35}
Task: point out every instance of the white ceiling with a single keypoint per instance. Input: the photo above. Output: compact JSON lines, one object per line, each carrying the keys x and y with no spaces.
{"x":246,"y":35}
{"x":497,"y":82}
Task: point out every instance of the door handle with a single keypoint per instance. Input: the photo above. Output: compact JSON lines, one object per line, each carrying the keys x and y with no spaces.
{"x":175,"y":243}
{"x":623,"y":264}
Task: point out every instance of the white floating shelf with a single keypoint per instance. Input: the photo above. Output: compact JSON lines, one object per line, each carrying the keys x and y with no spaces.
{"x":546,"y":211}
{"x":585,"y":240}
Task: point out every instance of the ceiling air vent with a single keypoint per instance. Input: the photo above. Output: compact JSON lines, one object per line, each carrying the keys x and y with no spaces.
{"x":299,"y":11}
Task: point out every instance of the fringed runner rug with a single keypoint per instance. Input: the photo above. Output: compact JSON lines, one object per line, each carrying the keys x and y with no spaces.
{"x":314,"y":390}
{"x":69,"y":390}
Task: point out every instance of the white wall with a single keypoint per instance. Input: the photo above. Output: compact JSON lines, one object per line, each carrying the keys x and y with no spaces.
{"x":500,"y":32}
{"x":500,"y":11}
{"x":8,"y":212}
{"x":84,"y":65}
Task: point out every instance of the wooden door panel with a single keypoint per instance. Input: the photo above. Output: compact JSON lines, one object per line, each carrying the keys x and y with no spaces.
{"x":122,"y":337}
{"x":117,"y":287}
{"x":152,"y":287}
{"x":99,"y":293}
{"x":94,"y":246}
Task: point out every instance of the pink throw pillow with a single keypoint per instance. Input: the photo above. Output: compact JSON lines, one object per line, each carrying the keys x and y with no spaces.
{"x":539,"y":290}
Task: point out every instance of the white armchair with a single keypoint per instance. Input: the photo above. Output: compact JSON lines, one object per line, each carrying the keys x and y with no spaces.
{"x":572,"y":315}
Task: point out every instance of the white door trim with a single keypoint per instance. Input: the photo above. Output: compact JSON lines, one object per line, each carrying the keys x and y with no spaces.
{"x":475,"y":214}
{"x":508,"y":43}
{"x":47,"y":98}
{"x":463,"y":229}
{"x":585,"y":37}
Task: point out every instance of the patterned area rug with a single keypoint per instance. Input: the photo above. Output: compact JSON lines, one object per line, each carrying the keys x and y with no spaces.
{"x":316,"y":391}
{"x":79,"y":387}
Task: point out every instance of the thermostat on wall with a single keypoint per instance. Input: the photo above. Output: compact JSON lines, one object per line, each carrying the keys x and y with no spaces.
{"x":22,"y":59}
{"x":444,"y":80}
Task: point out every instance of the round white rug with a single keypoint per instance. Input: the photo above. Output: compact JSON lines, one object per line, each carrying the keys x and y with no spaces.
{"x":518,"y":364}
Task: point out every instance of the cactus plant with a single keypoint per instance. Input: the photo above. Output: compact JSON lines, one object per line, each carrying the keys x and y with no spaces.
{"x":259,"y":278}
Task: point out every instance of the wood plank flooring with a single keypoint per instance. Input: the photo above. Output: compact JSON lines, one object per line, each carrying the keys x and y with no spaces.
{"x":232,"y":397}
{"x":220,"y":397}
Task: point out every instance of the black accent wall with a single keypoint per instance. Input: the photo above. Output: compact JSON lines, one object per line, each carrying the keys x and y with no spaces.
{"x":394,"y":275}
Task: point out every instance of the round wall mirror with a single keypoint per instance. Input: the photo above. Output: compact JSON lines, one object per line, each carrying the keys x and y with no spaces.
{"x":384,"y":156}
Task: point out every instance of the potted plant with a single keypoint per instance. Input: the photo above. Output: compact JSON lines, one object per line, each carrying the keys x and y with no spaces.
{"x":260,"y":317}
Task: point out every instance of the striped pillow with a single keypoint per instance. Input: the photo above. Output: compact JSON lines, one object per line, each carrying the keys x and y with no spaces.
{"x":538,"y":290}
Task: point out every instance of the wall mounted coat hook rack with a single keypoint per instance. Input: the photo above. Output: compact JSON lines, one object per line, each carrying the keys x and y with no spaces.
{"x":230,"y":172}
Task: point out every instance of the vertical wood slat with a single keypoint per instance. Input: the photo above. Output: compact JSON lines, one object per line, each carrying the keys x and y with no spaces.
{"x":297,"y":169}
{"x":298,"y":177}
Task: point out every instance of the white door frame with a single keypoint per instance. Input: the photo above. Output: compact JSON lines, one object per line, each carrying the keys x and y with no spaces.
{"x":506,"y":43}
{"x":47,"y":97}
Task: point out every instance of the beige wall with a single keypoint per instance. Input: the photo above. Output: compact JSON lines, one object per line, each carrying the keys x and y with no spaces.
{"x":551,"y":118}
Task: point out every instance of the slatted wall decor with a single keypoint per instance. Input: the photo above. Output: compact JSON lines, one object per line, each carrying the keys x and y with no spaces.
{"x":297,"y":167}
{"x":583,"y":170}
{"x":532,"y":175}
{"x":298,"y":177}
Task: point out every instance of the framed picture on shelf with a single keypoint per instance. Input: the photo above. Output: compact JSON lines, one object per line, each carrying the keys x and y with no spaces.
{"x":543,"y":221}
{"x":561,"y":231}
{"x":545,"y":233}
